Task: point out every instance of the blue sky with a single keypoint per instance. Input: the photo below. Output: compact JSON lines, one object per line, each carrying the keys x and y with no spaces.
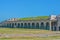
{"x":28,"y":8}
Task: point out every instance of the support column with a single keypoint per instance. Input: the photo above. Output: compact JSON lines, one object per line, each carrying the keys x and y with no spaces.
{"x":44,"y":25}
{"x":40,"y":25}
{"x":14,"y":25}
{"x":23,"y":25}
{"x":50,"y":25}
{"x":35,"y":25}
{"x":11,"y":25}
{"x":31,"y":25}
{"x":53,"y":27}
{"x":57,"y":28}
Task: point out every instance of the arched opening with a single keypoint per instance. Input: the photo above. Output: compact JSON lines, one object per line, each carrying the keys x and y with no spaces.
{"x":47,"y":25}
{"x":12,"y":25}
{"x":59,"y":28}
{"x":54,"y":28}
{"x":21,"y":25}
{"x":15,"y":25}
{"x":4,"y":25}
{"x":37,"y":25}
{"x":18,"y":25}
{"x":33,"y":25}
{"x":29,"y":25}
{"x":42,"y":25}
{"x":54,"y":25}
{"x":9,"y":25}
{"x":25,"y":25}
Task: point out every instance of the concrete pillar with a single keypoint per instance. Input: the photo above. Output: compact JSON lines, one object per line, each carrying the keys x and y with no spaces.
{"x":35,"y":24}
{"x":23,"y":25}
{"x":44,"y":25}
{"x":57,"y":28}
{"x":31,"y":25}
{"x":39,"y":24}
{"x":26,"y":25}
{"x":14,"y":25}
{"x":50,"y":25}
{"x":19,"y":25}
{"x":11,"y":25}
{"x":53,"y":28}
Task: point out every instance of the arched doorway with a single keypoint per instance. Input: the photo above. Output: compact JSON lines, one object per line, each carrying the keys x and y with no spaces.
{"x":37,"y":25}
{"x":21,"y":25}
{"x":29,"y":25}
{"x":47,"y":26}
{"x":15,"y":25}
{"x":42,"y":25}
{"x":12,"y":25}
{"x":59,"y":28}
{"x":33,"y":25}
{"x":9,"y":25}
{"x":54,"y":26}
{"x":18,"y":26}
{"x":25,"y":25}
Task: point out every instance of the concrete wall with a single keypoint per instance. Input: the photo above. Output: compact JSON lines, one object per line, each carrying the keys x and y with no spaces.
{"x":39,"y":24}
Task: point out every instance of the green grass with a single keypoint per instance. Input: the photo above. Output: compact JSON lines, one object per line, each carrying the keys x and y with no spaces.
{"x":33,"y":38}
{"x":26,"y":31}
{"x":34,"y":18}
{"x":22,"y":31}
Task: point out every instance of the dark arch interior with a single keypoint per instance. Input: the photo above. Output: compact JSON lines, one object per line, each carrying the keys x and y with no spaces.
{"x":47,"y":26}
{"x":21,"y":25}
{"x":33,"y":25}
{"x":29,"y":25}
{"x":42,"y":25}
{"x":18,"y":25}
{"x":25,"y":25}
{"x":59,"y":28}
{"x":37,"y":25}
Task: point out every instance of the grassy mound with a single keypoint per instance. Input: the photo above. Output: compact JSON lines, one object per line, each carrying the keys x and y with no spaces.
{"x":34,"y":18}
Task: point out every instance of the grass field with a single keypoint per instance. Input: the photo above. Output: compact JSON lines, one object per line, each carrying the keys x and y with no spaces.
{"x":33,"y":38}
{"x":23,"y":31}
{"x":26,"y":31}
